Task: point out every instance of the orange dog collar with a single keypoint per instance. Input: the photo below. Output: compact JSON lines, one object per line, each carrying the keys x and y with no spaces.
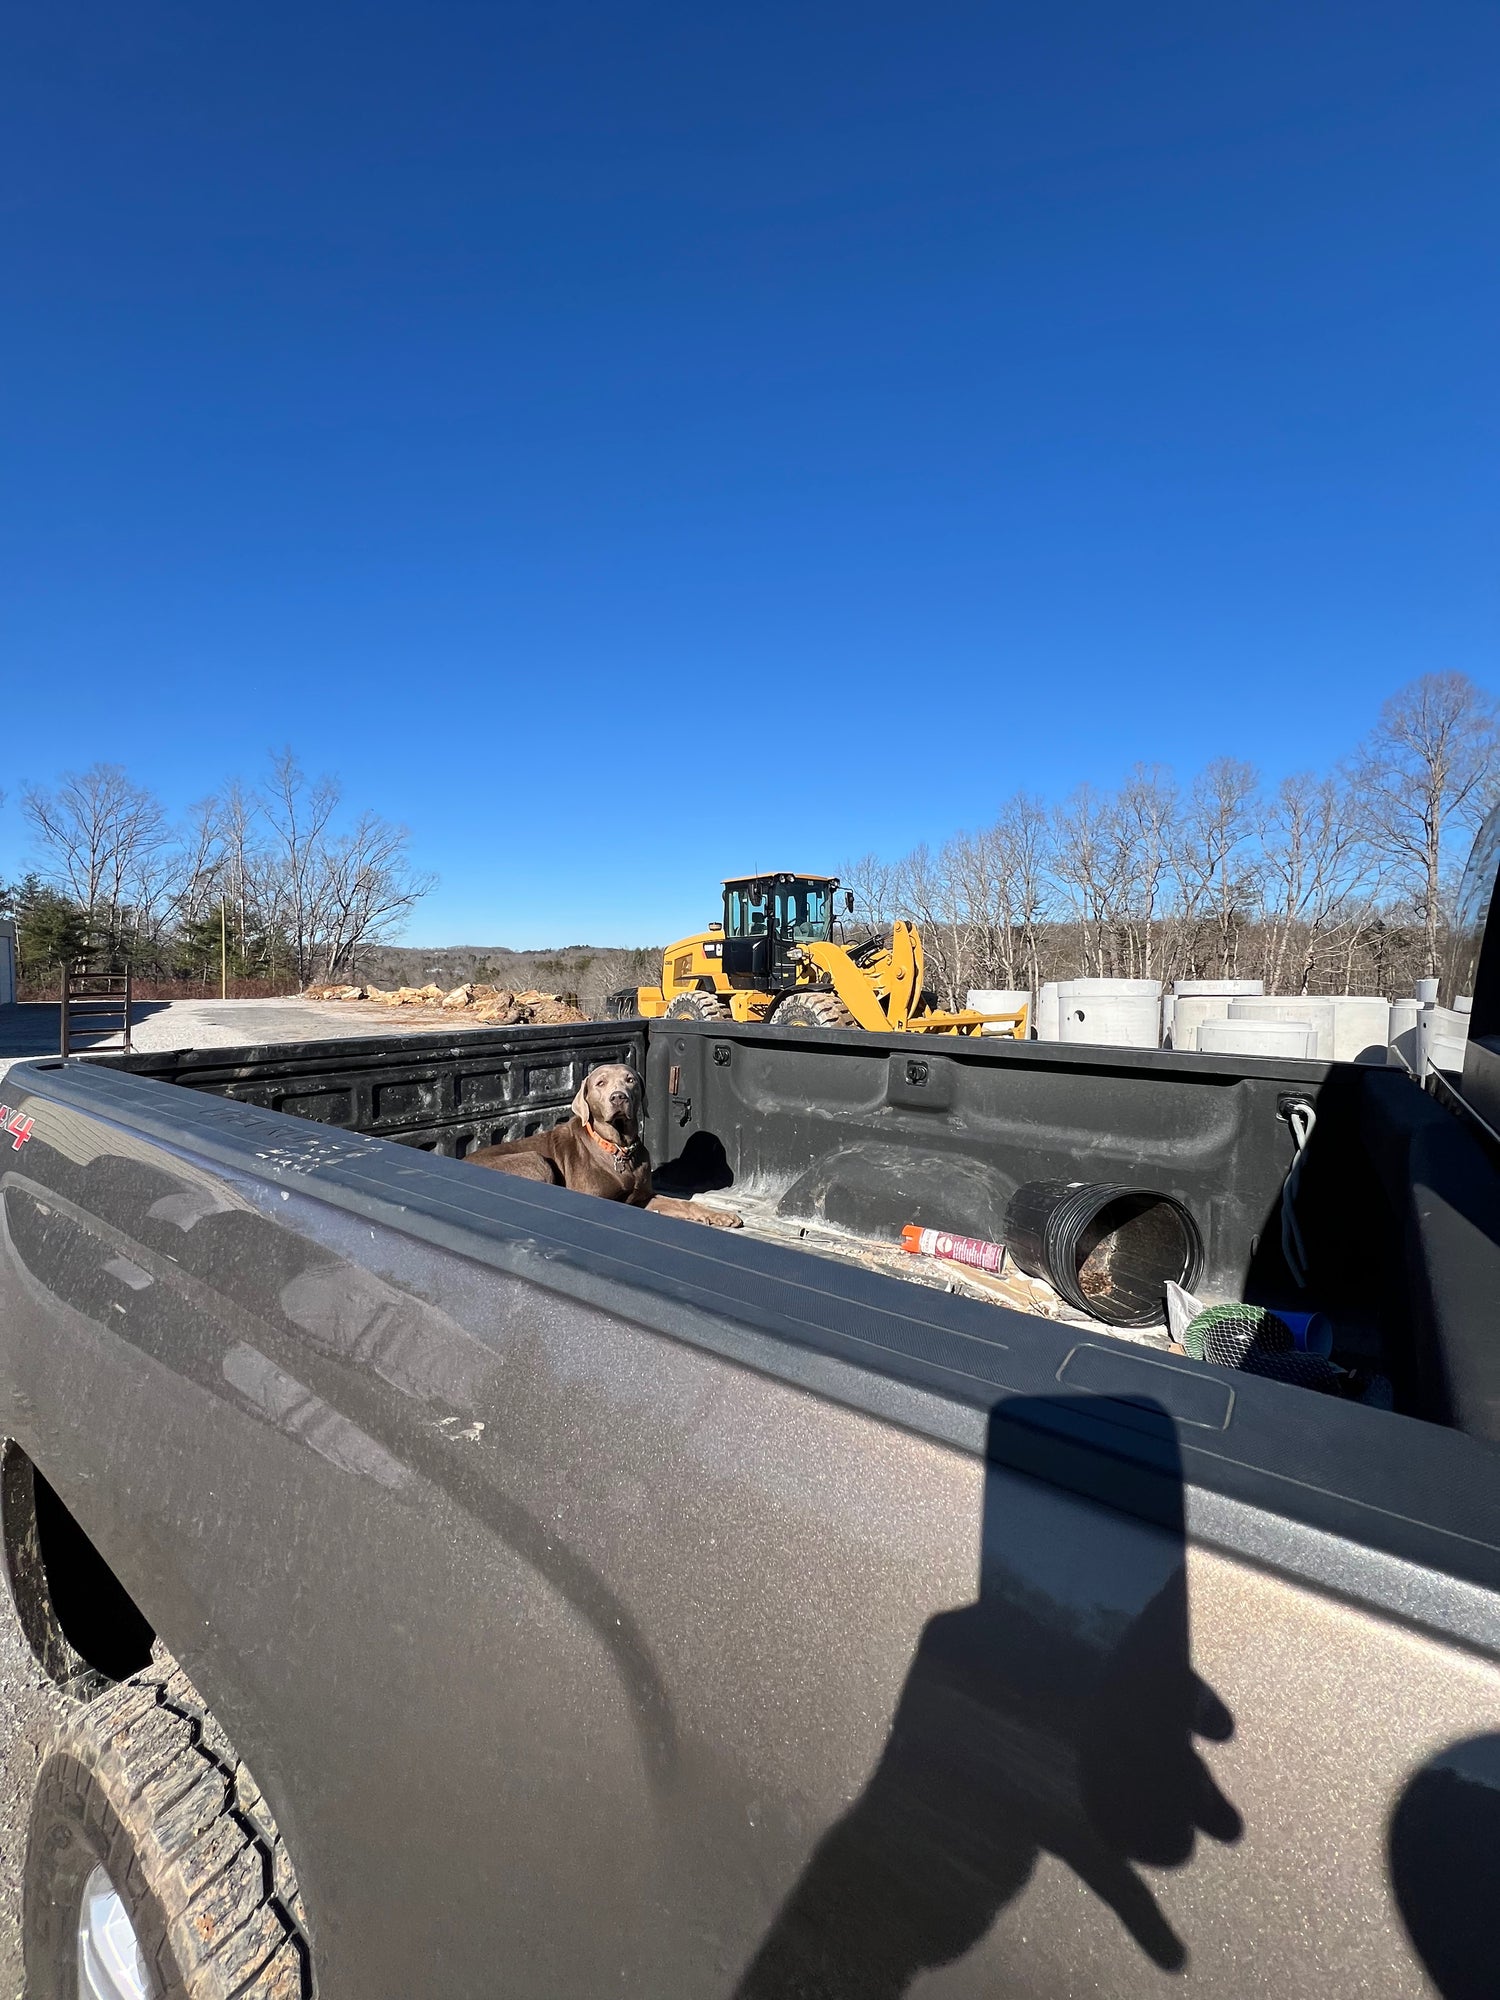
{"x":608,"y":1145}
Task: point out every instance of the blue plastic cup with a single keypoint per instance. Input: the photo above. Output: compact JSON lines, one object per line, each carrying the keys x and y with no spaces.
{"x":1313,"y":1332}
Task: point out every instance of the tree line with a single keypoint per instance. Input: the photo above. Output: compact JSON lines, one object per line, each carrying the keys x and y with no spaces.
{"x":275,"y":883}
{"x":1324,"y":882}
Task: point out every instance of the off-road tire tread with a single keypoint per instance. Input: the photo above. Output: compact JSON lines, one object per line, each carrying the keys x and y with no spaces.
{"x":826,"y":1010}
{"x":205,"y":1844}
{"x":698,"y":1006}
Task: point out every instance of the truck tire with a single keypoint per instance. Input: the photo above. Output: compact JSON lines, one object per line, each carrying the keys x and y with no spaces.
{"x":697,"y":1007}
{"x":153,"y":1867}
{"x":812,"y":1010}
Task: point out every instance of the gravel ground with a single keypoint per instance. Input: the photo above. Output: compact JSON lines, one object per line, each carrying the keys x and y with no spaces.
{"x":31,"y":1029}
{"x":28,"y":1702}
{"x":228,"y":1024}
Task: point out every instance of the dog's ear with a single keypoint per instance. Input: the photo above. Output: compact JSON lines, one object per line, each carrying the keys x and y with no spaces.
{"x":581,"y":1102}
{"x":640,"y":1095}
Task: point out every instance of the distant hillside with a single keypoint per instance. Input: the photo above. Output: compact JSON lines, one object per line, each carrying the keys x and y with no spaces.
{"x":590,"y":971}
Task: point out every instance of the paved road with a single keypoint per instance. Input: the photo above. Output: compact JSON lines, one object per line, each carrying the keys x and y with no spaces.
{"x":28,"y":1705}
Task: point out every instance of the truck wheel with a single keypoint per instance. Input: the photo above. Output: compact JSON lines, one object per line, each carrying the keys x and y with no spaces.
{"x":812,"y":1010}
{"x":153,"y":1868}
{"x":697,"y":1007}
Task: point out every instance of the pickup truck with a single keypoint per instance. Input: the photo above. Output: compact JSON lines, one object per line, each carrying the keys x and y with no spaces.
{"x":465,"y":1588}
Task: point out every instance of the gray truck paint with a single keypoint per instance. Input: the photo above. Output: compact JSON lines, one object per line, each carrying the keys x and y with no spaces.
{"x":608,"y":1606}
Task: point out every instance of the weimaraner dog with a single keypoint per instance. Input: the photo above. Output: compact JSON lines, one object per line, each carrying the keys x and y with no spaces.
{"x":598,"y":1151}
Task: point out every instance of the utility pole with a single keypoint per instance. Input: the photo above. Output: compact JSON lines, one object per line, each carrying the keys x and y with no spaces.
{"x":223,"y":951}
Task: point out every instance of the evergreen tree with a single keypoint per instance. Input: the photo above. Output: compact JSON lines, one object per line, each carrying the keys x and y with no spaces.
{"x":51,"y":929}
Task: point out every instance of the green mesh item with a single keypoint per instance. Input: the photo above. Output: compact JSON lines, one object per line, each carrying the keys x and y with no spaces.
{"x":1308,"y":1371}
{"x":1230,"y":1335}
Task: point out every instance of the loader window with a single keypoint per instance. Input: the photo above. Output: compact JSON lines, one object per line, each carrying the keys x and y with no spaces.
{"x":802,"y":910}
{"x":748,"y":915}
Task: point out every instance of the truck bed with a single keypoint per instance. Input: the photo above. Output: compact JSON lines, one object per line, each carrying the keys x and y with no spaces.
{"x":829,"y":1143}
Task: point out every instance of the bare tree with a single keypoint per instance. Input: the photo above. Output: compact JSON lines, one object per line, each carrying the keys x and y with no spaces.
{"x":1145,"y":834}
{"x":977,"y":893}
{"x":1086,"y":864}
{"x":1317,"y":879}
{"x":298,"y":812}
{"x":874,"y":884}
{"x":1023,"y":830}
{"x":927,"y":890}
{"x":1218,"y":863}
{"x":1429,"y":764}
{"x":101,"y":839}
{"x":201,"y":854}
{"x":364,"y":887}
{"x":237,"y":814}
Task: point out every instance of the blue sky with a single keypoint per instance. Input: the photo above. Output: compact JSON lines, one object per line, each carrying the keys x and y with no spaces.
{"x":631,"y":443}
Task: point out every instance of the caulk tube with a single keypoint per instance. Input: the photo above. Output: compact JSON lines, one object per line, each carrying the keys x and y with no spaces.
{"x":972,"y":1250}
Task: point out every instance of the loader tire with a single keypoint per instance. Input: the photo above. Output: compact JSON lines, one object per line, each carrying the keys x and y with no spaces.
{"x":697,"y":1007}
{"x":140,"y":1794}
{"x":812,"y":1010}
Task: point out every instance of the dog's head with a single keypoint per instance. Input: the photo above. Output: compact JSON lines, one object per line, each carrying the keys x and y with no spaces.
{"x":612,"y":1095}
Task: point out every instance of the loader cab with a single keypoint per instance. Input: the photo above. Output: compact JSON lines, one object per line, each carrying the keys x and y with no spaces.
{"x":765,"y":918}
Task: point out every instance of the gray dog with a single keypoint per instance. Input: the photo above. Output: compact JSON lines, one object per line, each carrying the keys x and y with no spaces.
{"x":598,"y":1151}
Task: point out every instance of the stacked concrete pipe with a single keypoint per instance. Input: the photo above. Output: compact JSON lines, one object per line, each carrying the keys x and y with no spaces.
{"x":1314,"y":1010}
{"x":1277,"y":1040}
{"x":1194,"y":1001}
{"x":1111,"y":1013}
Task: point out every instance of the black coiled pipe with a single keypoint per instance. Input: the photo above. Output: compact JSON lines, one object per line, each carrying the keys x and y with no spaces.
{"x":1108,"y":1250}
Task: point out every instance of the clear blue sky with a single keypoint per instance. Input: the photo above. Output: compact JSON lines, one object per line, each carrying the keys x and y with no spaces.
{"x":632,"y":442}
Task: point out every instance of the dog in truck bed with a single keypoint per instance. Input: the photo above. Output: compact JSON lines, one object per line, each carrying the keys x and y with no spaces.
{"x":598,"y":1151}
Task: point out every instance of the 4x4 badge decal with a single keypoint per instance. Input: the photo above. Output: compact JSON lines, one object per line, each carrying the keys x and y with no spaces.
{"x":18,"y":1127}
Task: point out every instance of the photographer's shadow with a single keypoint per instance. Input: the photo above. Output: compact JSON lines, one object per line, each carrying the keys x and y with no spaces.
{"x":1444,"y":1860}
{"x":1057,"y":1714}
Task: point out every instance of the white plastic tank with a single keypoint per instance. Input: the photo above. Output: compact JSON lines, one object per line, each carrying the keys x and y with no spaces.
{"x":1001,"y":1000}
{"x":1198,"y":1000}
{"x":1402,"y":1051}
{"x":1361,"y":1027}
{"x":1111,"y":1021}
{"x":1316,"y":1009}
{"x":1442,"y":1039}
{"x":1049,"y":1013}
{"x":1282,"y":1040}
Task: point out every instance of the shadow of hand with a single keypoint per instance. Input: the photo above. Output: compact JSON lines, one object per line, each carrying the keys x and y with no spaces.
{"x":1145,"y":1789}
{"x":1043,"y":1718}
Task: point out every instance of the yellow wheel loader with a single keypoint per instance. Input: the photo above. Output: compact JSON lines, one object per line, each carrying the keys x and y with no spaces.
{"x":774,"y":957}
